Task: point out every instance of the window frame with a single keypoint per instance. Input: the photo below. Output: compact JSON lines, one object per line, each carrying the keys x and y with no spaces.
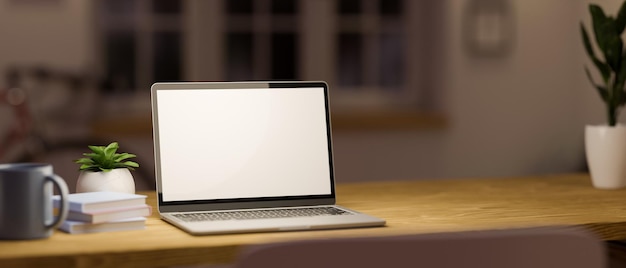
{"x":202,"y":26}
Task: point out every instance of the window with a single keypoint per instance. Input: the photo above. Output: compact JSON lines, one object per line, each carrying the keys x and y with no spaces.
{"x":370,"y":39}
{"x":141,"y":42}
{"x":378,"y":56}
{"x":261,"y":40}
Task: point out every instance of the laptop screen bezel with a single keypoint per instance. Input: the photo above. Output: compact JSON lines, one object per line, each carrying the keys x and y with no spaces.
{"x":239,"y":203}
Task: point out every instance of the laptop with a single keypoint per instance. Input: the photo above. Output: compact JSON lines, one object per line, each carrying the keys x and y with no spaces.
{"x":235,"y":157}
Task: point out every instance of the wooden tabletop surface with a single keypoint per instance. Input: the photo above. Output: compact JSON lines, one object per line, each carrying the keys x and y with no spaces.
{"x":410,"y":207}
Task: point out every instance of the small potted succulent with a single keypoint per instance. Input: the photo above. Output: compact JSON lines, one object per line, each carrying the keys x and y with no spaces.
{"x":605,"y":144}
{"x":104,"y":169}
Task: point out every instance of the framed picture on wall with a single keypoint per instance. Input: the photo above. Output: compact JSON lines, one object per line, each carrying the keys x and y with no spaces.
{"x":488,"y":28}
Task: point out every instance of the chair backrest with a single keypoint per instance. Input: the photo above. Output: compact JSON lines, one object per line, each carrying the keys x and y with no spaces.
{"x":527,"y":248}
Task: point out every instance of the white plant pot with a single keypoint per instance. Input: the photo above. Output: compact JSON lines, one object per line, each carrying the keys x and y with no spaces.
{"x":116,"y":180}
{"x":606,"y":155}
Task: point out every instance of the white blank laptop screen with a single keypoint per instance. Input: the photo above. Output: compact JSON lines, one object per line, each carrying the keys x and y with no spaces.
{"x":243,"y":143}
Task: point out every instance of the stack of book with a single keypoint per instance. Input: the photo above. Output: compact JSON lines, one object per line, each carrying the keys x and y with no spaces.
{"x":95,"y":212}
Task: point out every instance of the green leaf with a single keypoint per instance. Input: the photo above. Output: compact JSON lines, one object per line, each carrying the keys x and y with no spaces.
{"x":604,"y":93}
{"x":131,"y":164}
{"x":105,"y":158}
{"x":604,"y":69}
{"x":618,"y":86}
{"x":84,"y":161}
{"x":613,"y":53}
{"x":599,"y":19}
{"x":105,"y":169}
{"x":86,"y":167}
{"x":620,"y":78}
{"x":123,"y":156}
{"x":98,"y":158}
{"x":607,"y":37}
{"x":91,"y":155}
{"x":586,"y":42}
{"x":110,"y":150}
{"x":97,"y":149}
{"x":128,"y":164}
{"x":621,"y":19}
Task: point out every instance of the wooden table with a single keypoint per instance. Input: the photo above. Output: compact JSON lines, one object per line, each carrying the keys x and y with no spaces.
{"x":410,"y":207}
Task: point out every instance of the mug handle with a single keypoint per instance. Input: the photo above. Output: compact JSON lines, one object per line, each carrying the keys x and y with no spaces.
{"x":60,"y":184}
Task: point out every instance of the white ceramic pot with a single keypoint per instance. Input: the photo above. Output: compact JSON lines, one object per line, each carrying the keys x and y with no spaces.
{"x":606,"y":155}
{"x":116,"y":180}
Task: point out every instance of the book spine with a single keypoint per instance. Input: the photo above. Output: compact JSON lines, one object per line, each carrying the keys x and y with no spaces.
{"x":110,"y":215}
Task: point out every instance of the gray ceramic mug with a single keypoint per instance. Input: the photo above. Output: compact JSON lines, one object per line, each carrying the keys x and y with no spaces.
{"x":26,"y":210}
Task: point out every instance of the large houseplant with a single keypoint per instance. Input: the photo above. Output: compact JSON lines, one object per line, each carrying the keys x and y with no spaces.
{"x":606,"y":144}
{"x":103,"y":169}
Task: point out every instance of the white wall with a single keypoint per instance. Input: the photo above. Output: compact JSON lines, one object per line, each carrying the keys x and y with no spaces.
{"x":519,"y":115}
{"x":58,"y":34}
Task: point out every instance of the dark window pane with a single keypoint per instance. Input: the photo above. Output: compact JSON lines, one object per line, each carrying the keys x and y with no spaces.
{"x":350,"y":59}
{"x":239,"y":56}
{"x":119,"y":6}
{"x":349,"y":7}
{"x":390,"y":7}
{"x":239,"y":6}
{"x":239,"y":22}
{"x":167,"y":57}
{"x":284,"y":56}
{"x":284,"y":6}
{"x":120,"y":59}
{"x":166,"y":6}
{"x":391,"y":60}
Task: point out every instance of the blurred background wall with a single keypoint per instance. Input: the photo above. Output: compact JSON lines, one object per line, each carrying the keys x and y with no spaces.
{"x":495,"y":87}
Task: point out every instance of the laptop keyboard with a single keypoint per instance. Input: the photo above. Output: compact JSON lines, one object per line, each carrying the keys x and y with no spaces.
{"x":261,"y":214}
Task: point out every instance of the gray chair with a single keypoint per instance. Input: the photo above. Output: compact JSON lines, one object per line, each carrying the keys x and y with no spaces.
{"x":527,"y":248}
